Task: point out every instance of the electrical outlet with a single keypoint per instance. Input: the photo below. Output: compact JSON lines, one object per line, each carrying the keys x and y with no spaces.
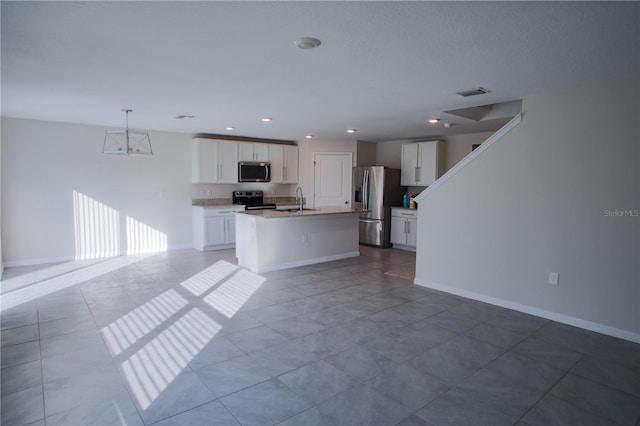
{"x":553,"y":278}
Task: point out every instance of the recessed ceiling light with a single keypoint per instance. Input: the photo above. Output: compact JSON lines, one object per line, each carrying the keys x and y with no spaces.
{"x":230,"y":128}
{"x":351,"y":130}
{"x":308,"y":136}
{"x":307,"y":42}
{"x":434,"y":120}
{"x":265,"y":119}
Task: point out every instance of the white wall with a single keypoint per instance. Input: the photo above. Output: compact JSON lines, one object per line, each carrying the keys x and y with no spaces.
{"x":43,"y":163}
{"x":536,"y":201}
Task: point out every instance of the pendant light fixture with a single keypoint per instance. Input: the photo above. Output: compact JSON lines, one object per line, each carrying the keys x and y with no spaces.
{"x":127,"y":142}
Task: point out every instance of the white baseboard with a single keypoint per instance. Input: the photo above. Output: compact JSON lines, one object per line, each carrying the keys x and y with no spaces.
{"x":298,"y":263}
{"x":554,"y":316}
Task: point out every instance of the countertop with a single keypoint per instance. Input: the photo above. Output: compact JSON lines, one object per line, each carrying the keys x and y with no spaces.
{"x":278,"y":214}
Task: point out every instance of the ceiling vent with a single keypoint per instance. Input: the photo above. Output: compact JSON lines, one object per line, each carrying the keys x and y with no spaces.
{"x":473,"y":92}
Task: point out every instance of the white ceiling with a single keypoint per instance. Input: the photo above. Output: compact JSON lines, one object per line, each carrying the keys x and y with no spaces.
{"x":383,"y":68}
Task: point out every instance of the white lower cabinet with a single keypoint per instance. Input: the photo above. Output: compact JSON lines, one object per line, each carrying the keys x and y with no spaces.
{"x":404,"y":228}
{"x":214,"y":228}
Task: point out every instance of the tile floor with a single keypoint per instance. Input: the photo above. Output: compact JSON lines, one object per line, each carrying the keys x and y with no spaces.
{"x":188,"y":338}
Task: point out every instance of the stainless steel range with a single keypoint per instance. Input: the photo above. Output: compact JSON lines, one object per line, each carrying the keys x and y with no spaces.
{"x":251,"y":200}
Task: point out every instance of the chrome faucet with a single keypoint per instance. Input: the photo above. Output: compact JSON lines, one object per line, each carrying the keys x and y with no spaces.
{"x":301,"y":198}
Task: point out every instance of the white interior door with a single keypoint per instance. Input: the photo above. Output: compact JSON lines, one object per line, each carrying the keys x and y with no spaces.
{"x":332,"y":179}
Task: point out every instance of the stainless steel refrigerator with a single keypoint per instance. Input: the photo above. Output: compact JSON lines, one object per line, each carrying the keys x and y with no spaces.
{"x":375,"y":190}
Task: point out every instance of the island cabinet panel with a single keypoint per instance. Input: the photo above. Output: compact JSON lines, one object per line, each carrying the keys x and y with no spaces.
{"x":214,"y":161}
{"x":268,"y":244}
{"x":214,"y":228}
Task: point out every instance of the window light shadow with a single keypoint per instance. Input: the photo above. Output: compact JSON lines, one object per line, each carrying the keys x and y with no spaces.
{"x":150,"y":364}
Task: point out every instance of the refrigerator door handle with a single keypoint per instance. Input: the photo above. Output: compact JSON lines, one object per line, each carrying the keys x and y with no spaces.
{"x":370,"y":220}
{"x":365,"y":190}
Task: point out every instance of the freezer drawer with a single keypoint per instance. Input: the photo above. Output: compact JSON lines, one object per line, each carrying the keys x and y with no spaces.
{"x":372,"y":232}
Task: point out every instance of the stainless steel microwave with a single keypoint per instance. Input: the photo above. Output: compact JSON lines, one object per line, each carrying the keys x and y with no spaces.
{"x":252,"y":171}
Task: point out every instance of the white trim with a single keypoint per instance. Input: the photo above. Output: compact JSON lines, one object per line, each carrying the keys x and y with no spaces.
{"x":565,"y":319}
{"x":471,"y":156}
{"x":305,"y":262}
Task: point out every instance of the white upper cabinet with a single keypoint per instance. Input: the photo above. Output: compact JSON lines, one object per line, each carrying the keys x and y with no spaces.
{"x":420,"y":163}
{"x":214,"y":161}
{"x":249,"y":151}
{"x":284,"y":163}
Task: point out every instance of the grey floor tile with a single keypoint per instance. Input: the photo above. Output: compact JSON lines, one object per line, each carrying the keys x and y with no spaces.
{"x":21,"y":315}
{"x":60,"y":309}
{"x":22,"y":407}
{"x":458,"y":407}
{"x":89,"y":360}
{"x":114,"y":411}
{"x":320,"y":346}
{"x":361,"y":363}
{"x":551,"y":411}
{"x":24,"y":334}
{"x":549,"y":353}
{"x":600,"y":400}
{"x":363,"y":405}
{"x":511,"y":384}
{"x":618,"y":376}
{"x":456,"y":359}
{"x":407,"y":386}
{"x":325,"y":343}
{"x":282,"y":358}
{"x":571,"y":337}
{"x":317,"y":382}
{"x":270,"y":313}
{"x":295,"y":327}
{"x":255,"y":339}
{"x":451,"y":321}
{"x":330,"y":317}
{"x":266,"y":403}
{"x":441,"y":301}
{"x":617,"y":351}
{"x":184,"y":392}
{"x":385,"y":300}
{"x":212,"y":413}
{"x":311,"y":417}
{"x":66,"y":325}
{"x":231,"y":376}
{"x":20,"y":377}
{"x":72,"y":342}
{"x":518,"y":322}
{"x":496,"y":336}
{"x":217,"y":350}
{"x":82,"y":389}
{"x":20,"y":353}
{"x":477,"y":310}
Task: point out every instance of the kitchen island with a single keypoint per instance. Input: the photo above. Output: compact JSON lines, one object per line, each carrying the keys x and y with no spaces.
{"x":268,"y":240}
